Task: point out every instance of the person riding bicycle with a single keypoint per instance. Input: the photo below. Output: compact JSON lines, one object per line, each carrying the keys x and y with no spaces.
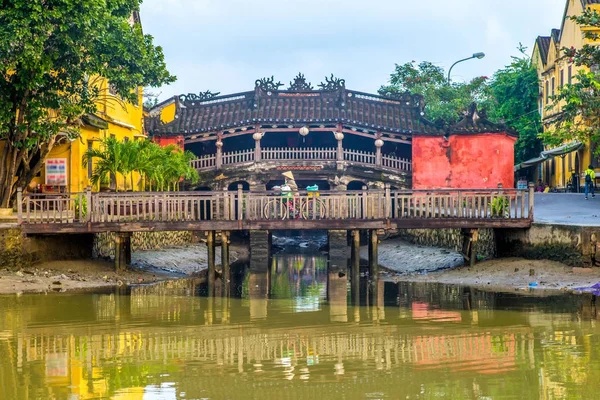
{"x":290,"y":181}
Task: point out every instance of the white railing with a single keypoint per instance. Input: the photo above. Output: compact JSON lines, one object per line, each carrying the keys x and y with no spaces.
{"x":73,"y":208}
{"x":359,"y":156}
{"x":399,"y":164}
{"x":238,"y":157}
{"x":288,"y":154}
{"x":205,"y":162}
{"x":302,"y":154}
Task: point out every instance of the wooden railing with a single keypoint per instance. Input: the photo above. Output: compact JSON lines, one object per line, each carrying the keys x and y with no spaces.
{"x":400,"y":164}
{"x":296,"y":154}
{"x":238,"y":157}
{"x":205,"y":162}
{"x":316,"y":154}
{"x":359,"y":156}
{"x":272,"y":206}
{"x":52,"y":208}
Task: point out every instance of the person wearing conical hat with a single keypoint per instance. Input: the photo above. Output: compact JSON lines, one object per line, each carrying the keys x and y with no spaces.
{"x":290,"y":181}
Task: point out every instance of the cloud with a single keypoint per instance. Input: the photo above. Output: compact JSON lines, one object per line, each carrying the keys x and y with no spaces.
{"x":224,"y":45}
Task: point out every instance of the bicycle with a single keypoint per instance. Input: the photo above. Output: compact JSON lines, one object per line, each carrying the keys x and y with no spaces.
{"x":289,"y":205}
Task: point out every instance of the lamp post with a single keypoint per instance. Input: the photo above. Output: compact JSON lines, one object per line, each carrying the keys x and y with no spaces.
{"x":478,"y":56}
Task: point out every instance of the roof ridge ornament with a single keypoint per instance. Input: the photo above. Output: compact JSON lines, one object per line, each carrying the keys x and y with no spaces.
{"x":332,"y":83}
{"x":299,"y":84}
{"x":267,"y":84}
{"x":202,"y":96}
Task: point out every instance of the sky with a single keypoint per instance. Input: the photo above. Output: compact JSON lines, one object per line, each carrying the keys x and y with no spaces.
{"x":225,"y":45}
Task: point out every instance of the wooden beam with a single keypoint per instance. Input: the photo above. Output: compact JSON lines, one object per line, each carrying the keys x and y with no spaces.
{"x":295,"y":224}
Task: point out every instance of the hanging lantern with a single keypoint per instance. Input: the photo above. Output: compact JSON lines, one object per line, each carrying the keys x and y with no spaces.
{"x":304,"y":131}
{"x":257,"y":136}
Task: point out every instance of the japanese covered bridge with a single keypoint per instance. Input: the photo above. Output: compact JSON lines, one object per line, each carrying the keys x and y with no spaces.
{"x":378,"y":162}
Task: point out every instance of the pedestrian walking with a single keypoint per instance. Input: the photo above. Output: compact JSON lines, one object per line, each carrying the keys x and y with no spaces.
{"x":590,"y":176}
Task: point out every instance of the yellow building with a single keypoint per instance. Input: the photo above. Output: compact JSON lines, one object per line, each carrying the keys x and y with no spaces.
{"x":63,"y":169}
{"x":554,"y":71}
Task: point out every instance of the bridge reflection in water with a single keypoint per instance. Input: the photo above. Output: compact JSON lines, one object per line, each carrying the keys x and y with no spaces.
{"x":297,"y":330}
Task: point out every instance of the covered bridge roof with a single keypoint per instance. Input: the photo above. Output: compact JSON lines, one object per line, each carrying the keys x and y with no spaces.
{"x":300,"y":104}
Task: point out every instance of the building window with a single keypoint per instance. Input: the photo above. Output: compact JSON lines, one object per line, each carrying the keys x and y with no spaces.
{"x":90,"y":166}
{"x":552,"y":86}
{"x":547,"y":92}
{"x":541,"y":107}
{"x":126,"y":139}
{"x":562,"y":78}
{"x":570,"y":74}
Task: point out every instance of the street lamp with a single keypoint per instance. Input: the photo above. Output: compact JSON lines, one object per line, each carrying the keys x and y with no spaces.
{"x":478,"y":56}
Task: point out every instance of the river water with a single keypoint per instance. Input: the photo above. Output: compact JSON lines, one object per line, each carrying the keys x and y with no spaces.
{"x":297,"y":331}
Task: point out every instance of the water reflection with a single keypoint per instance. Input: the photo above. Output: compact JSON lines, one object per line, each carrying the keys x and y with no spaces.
{"x":297,"y":331}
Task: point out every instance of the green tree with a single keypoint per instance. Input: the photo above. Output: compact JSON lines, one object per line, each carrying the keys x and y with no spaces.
{"x":515,"y":90}
{"x":108,"y":159}
{"x":49,"y":49}
{"x":160,"y":168}
{"x":579,"y":116}
{"x":445,"y":101}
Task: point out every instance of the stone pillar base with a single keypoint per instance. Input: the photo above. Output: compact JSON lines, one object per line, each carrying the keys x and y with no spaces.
{"x":260,"y":250}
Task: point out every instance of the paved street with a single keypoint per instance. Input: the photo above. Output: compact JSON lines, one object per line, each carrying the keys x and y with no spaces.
{"x":567,"y":209}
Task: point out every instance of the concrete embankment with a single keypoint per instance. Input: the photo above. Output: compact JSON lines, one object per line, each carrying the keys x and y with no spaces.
{"x":574,"y":245}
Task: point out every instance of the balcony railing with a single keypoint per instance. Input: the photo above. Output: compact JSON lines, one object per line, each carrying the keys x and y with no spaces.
{"x":304,"y":155}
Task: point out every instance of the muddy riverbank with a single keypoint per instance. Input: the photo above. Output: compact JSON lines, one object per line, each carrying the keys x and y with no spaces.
{"x":400,"y":261}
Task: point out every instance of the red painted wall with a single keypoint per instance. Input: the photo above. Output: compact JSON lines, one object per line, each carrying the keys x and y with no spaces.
{"x":469,"y":161}
{"x":164,"y":141}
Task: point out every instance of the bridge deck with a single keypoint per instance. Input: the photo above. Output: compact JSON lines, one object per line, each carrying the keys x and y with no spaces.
{"x":239,"y":210}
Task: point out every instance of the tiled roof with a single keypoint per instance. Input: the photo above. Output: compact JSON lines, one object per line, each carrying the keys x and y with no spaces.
{"x":555,"y":34}
{"x":543,"y":43}
{"x":299,"y":105}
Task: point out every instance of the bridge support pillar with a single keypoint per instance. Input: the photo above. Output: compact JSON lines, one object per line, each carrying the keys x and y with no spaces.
{"x":470,"y":238}
{"x":373,"y":254}
{"x":225,"y":267}
{"x":210,"y":247}
{"x":260,"y":250}
{"x":339,"y":252}
{"x":355,"y":278}
{"x":122,"y":251}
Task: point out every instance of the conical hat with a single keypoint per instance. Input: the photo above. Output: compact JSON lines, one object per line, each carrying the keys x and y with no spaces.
{"x":288,"y":175}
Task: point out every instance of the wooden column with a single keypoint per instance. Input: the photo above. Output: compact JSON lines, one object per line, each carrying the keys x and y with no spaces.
{"x":355,"y":280}
{"x":378,"y":146}
{"x":339,"y":136}
{"x":210,"y":245}
{"x":219,"y":158}
{"x":257,"y":150}
{"x":122,"y":251}
{"x":355,"y":255}
{"x":469,"y":247}
{"x":20,"y":205}
{"x":226,"y":272}
{"x":89,"y":205}
{"x":388,"y":211}
{"x":531,"y":199}
{"x":474,"y":240}
{"x":373,"y":254}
